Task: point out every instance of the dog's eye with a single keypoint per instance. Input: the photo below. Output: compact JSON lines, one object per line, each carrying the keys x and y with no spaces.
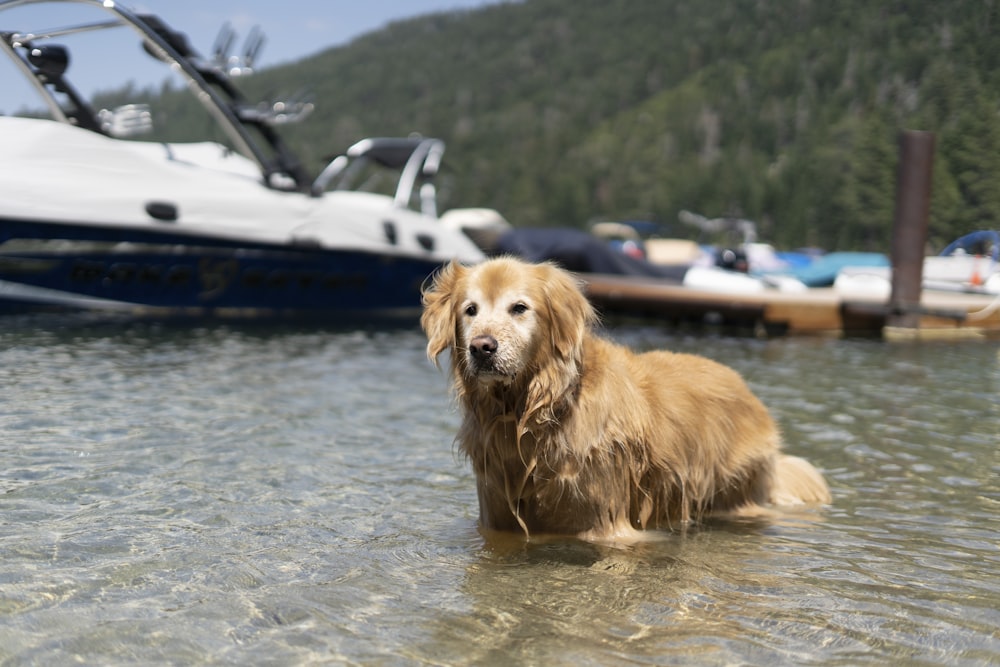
{"x":519,"y":308}
{"x":471,"y":310}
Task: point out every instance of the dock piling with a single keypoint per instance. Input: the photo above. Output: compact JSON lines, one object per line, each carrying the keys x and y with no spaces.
{"x":909,"y":229}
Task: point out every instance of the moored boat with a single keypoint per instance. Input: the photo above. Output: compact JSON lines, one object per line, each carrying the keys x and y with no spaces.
{"x":91,"y":218}
{"x":970,"y":263}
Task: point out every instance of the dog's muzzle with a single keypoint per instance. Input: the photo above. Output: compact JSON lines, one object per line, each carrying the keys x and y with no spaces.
{"x":483,"y":352}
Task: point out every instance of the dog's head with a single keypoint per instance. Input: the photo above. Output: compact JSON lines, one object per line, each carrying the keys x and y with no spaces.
{"x":505,"y":320}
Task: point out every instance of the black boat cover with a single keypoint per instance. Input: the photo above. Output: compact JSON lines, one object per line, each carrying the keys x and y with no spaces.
{"x":580,"y":252}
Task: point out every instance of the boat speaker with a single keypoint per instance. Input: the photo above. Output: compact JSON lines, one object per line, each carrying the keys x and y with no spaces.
{"x":161,"y":210}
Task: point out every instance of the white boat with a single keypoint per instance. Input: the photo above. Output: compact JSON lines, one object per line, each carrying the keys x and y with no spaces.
{"x":92,"y":219}
{"x":968,"y":264}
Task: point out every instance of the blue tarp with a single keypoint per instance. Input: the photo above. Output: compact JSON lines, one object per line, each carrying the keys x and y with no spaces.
{"x":823,"y":271}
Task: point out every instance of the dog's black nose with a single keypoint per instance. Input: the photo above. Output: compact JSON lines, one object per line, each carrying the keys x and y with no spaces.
{"x":483,"y":347}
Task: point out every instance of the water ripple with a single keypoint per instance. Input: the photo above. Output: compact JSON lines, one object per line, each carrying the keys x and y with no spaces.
{"x":180,"y":495}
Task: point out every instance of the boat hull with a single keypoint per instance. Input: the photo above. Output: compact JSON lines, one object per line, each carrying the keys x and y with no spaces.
{"x":58,"y":266}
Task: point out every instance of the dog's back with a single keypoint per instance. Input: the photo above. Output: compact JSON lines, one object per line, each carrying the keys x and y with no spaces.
{"x":703,"y":441}
{"x":709,"y":424}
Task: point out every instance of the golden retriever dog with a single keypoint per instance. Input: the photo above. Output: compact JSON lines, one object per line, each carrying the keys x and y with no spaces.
{"x":571,"y":434}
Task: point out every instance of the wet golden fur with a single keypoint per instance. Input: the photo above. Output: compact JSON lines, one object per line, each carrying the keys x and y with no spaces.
{"x":569,"y":433}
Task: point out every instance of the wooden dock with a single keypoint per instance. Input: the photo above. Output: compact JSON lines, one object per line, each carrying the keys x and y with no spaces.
{"x":816,"y":312}
{"x":910,"y":313}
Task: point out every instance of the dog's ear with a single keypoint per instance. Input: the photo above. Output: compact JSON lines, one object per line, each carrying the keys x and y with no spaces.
{"x":438,"y":319}
{"x":570,"y":314}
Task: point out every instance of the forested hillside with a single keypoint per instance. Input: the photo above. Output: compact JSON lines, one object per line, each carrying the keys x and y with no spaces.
{"x":557,"y":112}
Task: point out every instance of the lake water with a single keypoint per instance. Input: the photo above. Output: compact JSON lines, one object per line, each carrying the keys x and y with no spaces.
{"x":185,"y":495}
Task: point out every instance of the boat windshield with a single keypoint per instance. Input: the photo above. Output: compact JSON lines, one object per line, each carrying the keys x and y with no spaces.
{"x":95,"y":52}
{"x":86,"y":64}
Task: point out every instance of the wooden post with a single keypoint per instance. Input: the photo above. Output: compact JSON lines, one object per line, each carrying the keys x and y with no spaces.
{"x":909,"y":229}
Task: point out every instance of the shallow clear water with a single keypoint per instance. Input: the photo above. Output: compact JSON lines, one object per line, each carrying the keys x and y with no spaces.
{"x":289,"y":496}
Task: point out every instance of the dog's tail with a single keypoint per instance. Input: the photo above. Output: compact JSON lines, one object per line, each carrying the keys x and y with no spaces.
{"x":797,"y":482}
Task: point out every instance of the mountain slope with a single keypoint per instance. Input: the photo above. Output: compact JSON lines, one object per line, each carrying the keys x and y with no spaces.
{"x":784,"y":111}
